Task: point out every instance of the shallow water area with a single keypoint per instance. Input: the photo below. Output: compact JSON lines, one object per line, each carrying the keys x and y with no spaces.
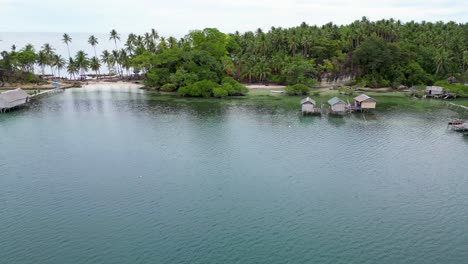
{"x":115,"y":174}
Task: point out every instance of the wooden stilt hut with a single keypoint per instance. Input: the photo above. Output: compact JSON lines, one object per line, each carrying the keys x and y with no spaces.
{"x":337,"y":106}
{"x":364,"y":102}
{"x":309,"y":106}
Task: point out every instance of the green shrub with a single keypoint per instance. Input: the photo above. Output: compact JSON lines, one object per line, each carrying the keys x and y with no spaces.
{"x":219,"y":92}
{"x":346,"y":91}
{"x":31,"y":78}
{"x":297,"y":89}
{"x":199,"y":89}
{"x":233,"y":87}
{"x":168,"y":87}
{"x":459,"y":89}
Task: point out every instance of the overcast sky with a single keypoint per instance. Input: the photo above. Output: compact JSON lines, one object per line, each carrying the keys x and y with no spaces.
{"x":177,"y":17}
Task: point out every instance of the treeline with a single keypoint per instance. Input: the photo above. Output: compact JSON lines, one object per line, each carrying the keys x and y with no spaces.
{"x":374,"y":54}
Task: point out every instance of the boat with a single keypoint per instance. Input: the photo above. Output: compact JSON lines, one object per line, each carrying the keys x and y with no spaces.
{"x":460,"y":127}
{"x":455,"y":122}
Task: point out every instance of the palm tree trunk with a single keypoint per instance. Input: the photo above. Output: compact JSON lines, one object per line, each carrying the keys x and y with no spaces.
{"x":68,"y":48}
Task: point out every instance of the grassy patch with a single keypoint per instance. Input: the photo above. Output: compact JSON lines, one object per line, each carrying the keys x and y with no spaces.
{"x":391,"y":101}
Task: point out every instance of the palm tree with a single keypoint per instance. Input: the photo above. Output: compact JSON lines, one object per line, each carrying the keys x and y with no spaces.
{"x":442,"y":61}
{"x":59,"y":63}
{"x":114,"y":36}
{"x":95,"y":66}
{"x":67,"y":39}
{"x":42,"y":60}
{"x":49,"y":53}
{"x":82,"y":62}
{"x":72,"y":68}
{"x":116,"y":56}
{"x":172,"y":42}
{"x":106,"y":58}
{"x":154,"y":34}
{"x":93,"y":41}
{"x":130,"y":43}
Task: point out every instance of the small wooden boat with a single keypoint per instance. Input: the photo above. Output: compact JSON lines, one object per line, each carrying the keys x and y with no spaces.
{"x":455,"y":122}
{"x":460,"y":127}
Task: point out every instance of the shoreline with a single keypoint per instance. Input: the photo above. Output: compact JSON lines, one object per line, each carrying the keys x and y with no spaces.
{"x":266,"y":94}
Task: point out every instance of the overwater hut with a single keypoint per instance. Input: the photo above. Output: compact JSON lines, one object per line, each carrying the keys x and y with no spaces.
{"x":12,"y":99}
{"x":434,"y":91}
{"x":337,"y":105}
{"x":309,"y":106}
{"x":365,"y":102}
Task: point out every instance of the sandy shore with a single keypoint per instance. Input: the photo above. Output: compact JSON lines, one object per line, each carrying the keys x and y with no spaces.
{"x":108,"y":84}
{"x":262,"y":86}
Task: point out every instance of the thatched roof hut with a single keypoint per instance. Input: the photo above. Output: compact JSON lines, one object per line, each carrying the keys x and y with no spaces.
{"x":13,"y":98}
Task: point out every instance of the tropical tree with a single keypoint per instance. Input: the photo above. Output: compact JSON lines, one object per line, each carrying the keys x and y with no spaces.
{"x":113,"y":35}
{"x":95,"y":65}
{"x":108,"y":59}
{"x":49,"y":54}
{"x":42,"y":61}
{"x":59,"y":62}
{"x":93,"y":41}
{"x":82,"y":62}
{"x":72,"y":68}
{"x":67,"y":39}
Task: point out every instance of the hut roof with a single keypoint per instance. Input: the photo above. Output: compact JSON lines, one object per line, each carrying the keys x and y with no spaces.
{"x":13,"y":95}
{"x":307,"y":100}
{"x":335,"y":100}
{"x":363,"y":97}
{"x":434,"y":88}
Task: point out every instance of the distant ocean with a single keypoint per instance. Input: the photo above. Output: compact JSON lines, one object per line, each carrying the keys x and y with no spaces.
{"x":79,"y":42}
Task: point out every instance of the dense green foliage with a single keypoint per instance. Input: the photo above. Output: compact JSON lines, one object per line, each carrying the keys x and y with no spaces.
{"x":459,"y":89}
{"x":297,"y":89}
{"x":207,"y":88}
{"x":374,"y":54}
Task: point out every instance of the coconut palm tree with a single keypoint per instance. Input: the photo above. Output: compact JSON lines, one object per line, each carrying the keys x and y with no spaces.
{"x":72,"y":68}
{"x":154,"y":34}
{"x":95,"y":66}
{"x":130,"y":43}
{"x":116,"y":56}
{"x":82,"y":61}
{"x":59,"y":62}
{"x":442,"y":61}
{"x":67,"y":39}
{"x":93,"y":41}
{"x":49,"y":53}
{"x":113,"y":35}
{"x":106,"y":57}
{"x":172,"y":42}
{"x":42,"y":61}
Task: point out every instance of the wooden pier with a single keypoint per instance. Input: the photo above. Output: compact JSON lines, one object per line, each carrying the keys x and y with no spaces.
{"x":458,"y":107}
{"x":17,"y":98}
{"x":47,"y":93}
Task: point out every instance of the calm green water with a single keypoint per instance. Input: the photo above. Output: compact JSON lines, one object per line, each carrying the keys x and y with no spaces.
{"x":118,"y":176}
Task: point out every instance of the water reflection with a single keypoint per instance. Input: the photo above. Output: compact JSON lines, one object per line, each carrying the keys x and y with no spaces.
{"x":337,"y":120}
